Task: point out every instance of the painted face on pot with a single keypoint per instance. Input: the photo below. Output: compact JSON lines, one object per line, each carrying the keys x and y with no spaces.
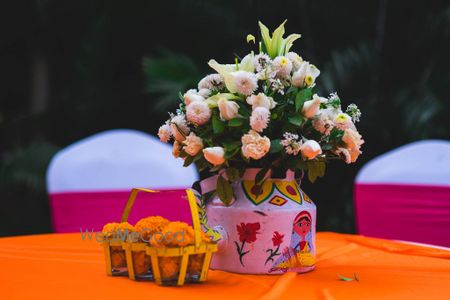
{"x":302,"y":223}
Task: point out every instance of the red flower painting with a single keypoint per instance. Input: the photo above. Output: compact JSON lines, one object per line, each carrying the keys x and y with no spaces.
{"x":248,"y":231}
{"x":247,"y":234}
{"x":277,"y":239}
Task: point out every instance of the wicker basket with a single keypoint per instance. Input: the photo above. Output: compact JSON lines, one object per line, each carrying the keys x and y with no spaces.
{"x":166,"y":265}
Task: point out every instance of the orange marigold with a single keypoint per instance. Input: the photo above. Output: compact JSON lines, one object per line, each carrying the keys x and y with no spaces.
{"x":175,"y":234}
{"x":150,"y":225}
{"x":112,"y":228}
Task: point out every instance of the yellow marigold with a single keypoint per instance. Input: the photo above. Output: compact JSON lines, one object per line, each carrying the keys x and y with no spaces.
{"x":170,"y":266}
{"x":112,"y":228}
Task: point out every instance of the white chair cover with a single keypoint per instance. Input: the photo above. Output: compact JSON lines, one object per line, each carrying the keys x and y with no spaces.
{"x":117,"y":160}
{"x":423,"y":162}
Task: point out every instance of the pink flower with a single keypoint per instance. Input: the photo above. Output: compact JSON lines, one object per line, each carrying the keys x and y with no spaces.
{"x":179,"y":128}
{"x":259,"y":119}
{"x":228,"y":109}
{"x":198,"y":113}
{"x":311,"y":107}
{"x":164,"y":133}
{"x":246,"y":82}
{"x":192,"y":144}
{"x":310,"y":149}
{"x":214,"y":155}
{"x":192,"y":96}
{"x":254,"y":146}
{"x":352,"y":139}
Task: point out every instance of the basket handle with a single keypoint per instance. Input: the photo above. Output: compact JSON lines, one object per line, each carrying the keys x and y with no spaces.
{"x":192,"y":206}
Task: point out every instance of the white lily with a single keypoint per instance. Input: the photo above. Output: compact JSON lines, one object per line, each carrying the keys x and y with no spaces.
{"x":227,"y":71}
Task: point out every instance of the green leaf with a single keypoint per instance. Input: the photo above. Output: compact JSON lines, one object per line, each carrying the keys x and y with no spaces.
{"x":296,"y":120}
{"x":301,"y":97}
{"x":230,"y":154}
{"x":236,"y":122}
{"x":232,"y":174}
{"x":315,"y":169}
{"x":218,"y":125}
{"x":230,"y":146}
{"x":244,"y":111}
{"x":250,"y":37}
{"x":259,"y":178}
{"x":224,"y":190}
{"x":343,"y":278}
{"x":275,"y":146}
{"x":188,"y":161}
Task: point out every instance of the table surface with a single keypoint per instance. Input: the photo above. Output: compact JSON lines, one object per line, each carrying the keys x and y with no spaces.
{"x":64,"y":266}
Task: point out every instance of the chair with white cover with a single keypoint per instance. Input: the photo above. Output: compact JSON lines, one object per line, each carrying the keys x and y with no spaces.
{"x":404,"y":194}
{"x":89,"y":181}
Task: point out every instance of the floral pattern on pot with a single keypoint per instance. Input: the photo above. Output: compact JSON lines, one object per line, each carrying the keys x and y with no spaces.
{"x":277,"y":239}
{"x":247,"y":234}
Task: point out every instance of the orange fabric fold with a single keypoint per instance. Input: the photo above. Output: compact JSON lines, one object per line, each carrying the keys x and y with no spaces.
{"x":63,"y":266}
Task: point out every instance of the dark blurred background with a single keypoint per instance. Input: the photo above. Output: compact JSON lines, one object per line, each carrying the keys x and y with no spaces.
{"x":69,"y":69}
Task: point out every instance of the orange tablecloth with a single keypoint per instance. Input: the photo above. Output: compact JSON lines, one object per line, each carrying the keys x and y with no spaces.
{"x":63,"y":266}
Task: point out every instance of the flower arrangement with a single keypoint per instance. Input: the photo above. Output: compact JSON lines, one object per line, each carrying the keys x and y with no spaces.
{"x":263,"y":112}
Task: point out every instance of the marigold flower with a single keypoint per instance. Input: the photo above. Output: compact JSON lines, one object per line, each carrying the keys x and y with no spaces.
{"x":150,"y":225}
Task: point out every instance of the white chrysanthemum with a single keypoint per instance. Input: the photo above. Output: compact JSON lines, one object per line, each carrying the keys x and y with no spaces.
{"x":283,"y":66}
{"x":198,"y":113}
{"x":291,"y":143}
{"x":212,"y":82}
{"x":295,"y":59}
{"x":164,"y":133}
{"x":179,"y":127}
{"x":192,"y":144}
{"x":246,"y":82}
{"x":254,"y":146}
{"x":259,"y":119}
{"x":204,"y":93}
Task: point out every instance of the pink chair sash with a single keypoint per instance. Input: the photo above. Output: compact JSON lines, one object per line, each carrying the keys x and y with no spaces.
{"x":417,"y":213}
{"x":91,"y":210}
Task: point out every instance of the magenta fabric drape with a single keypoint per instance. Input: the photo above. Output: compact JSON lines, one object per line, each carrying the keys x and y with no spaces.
{"x":91,"y":210}
{"x":418,"y":213}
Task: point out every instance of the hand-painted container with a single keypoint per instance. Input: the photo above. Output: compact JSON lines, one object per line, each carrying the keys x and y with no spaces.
{"x":266,"y":230}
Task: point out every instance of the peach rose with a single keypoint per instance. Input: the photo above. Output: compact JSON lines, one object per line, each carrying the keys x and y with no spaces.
{"x":254,"y":146}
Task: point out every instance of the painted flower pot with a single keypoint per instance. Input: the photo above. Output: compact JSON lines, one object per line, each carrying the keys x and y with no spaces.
{"x":266,"y":230}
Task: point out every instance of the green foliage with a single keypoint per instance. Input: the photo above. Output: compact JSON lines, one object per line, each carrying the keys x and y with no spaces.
{"x":224,"y":190}
{"x":301,"y":97}
{"x":315,"y":169}
{"x":167,"y":75}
